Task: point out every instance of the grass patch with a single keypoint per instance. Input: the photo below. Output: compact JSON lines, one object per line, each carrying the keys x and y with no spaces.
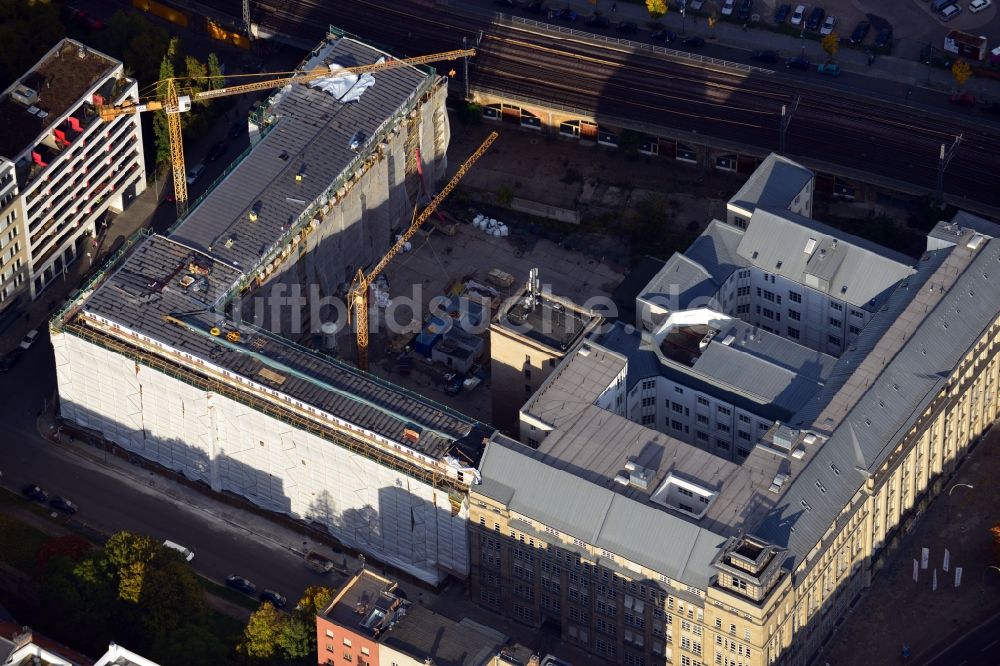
{"x":232,"y":596}
{"x":19,"y":543}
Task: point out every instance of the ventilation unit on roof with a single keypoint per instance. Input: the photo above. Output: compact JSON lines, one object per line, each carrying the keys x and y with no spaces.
{"x":778,"y":482}
{"x":638,"y":475}
{"x":712,"y":332}
{"x":975,"y":242}
{"x":24,"y":95}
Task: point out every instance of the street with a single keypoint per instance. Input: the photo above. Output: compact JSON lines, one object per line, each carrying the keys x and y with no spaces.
{"x":981,"y":647}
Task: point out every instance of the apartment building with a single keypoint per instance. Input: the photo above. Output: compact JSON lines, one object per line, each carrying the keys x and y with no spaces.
{"x":644,"y":548}
{"x":155,"y":356}
{"x":62,"y":168}
{"x":371,"y":623}
{"x":777,"y":184}
{"x":530,"y":334}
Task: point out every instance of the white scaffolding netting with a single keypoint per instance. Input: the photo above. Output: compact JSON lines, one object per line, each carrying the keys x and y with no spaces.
{"x":343,"y":85}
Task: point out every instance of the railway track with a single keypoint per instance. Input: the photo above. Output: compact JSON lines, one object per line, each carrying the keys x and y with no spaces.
{"x":620,"y":86}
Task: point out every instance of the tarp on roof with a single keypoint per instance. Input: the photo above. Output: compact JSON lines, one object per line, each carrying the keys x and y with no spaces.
{"x":345,"y":86}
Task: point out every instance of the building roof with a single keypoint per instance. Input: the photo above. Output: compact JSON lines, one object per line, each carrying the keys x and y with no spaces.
{"x":553,"y":322}
{"x":633,"y":285}
{"x":146,"y":294}
{"x":311,"y":136}
{"x":60,"y":79}
{"x":818,"y":256}
{"x":774,"y":184}
{"x":936,"y":331}
{"x":119,"y":656}
{"x":20,"y":646}
{"x":371,"y":606}
{"x":526,"y":483}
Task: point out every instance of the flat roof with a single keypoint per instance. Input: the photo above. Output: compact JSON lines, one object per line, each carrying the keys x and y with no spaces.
{"x":60,"y":79}
{"x":544,"y":318}
{"x":311,"y":135}
{"x":371,"y":605}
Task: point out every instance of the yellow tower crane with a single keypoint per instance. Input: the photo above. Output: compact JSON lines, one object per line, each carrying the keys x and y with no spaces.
{"x":362,"y":283}
{"x":174,"y":103}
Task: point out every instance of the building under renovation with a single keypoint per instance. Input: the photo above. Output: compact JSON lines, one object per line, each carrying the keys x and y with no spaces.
{"x":154,"y":357}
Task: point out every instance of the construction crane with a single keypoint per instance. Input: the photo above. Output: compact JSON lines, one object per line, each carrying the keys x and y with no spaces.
{"x":174,"y":103}
{"x":362,"y":283}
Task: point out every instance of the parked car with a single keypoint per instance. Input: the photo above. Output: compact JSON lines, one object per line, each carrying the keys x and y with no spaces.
{"x":745,"y":10}
{"x":186,"y":553}
{"x":536,"y":7}
{"x":60,"y":503}
{"x":815,"y":19}
{"x":799,"y":62}
{"x":567,"y":14}
{"x":665,"y":36}
{"x":217,"y":151}
{"x":829,"y":69}
{"x":860,"y":32}
{"x":240,"y":583}
{"x":771,"y":57}
{"x":977,"y":6}
{"x":627,"y":28}
{"x":693,"y":42}
{"x":728,"y":7}
{"x":950,"y":12}
{"x":798,"y":15}
{"x":963,"y":99}
{"x":33,"y":492}
{"x":828,"y":25}
{"x":883,"y":37}
{"x":29,"y":340}
{"x":781,"y":14}
{"x":276,"y":599}
{"x":194,"y":173}
{"x":597,"y":21}
{"x":10,"y":359}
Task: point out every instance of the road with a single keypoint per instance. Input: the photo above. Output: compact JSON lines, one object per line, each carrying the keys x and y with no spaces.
{"x":110,"y":503}
{"x":851,"y":123}
{"x":981,"y":647}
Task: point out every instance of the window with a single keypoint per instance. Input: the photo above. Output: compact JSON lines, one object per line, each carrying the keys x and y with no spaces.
{"x":365,"y":652}
{"x":677,"y":407}
{"x":648,"y":384}
{"x":835,"y":322}
{"x":648,"y":402}
{"x":834,"y":340}
{"x":702,"y":419}
{"x":676,"y":425}
{"x":744,"y":418}
{"x":532,"y":442}
{"x":724,"y":410}
{"x":678,"y":389}
{"x":348,"y":656}
{"x":793,"y":333}
{"x":854,"y":329}
{"x":794,"y":315}
{"x":347,"y":643}
{"x":836,"y":306}
{"x":857,"y":313}
{"x":648,"y":419}
{"x":742,"y":452}
{"x":718,"y":623}
{"x":722,"y":444}
{"x":700,"y":436}
{"x":768,"y":295}
{"x":768,"y":313}
{"x":739,"y":584}
{"x":722,"y":427}
{"x":746,"y":634}
{"x":703,"y":401}
{"x":329,"y":634}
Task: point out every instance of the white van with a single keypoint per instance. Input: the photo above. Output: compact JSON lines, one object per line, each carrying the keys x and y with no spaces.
{"x":187,"y":554}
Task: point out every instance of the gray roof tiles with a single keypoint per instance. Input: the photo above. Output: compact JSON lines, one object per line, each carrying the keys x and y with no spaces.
{"x":773,"y":184}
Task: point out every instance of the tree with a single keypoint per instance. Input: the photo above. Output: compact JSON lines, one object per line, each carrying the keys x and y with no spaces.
{"x":171,"y":599}
{"x":314,"y":601}
{"x":126,"y":558}
{"x":215,"y":71}
{"x":71,"y":546}
{"x":961,"y":70}
{"x":297,"y":639}
{"x":656,"y":8}
{"x":831,"y":44}
{"x":263,"y":633}
{"x":160,"y":127}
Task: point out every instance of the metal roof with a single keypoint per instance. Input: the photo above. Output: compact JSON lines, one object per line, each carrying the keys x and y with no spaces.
{"x":940,"y":331}
{"x":311,"y":136}
{"x":773,"y":184}
{"x":818,"y":256}
{"x":666,"y":543}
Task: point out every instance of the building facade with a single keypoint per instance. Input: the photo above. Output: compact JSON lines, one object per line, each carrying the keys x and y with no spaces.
{"x":64,"y":168}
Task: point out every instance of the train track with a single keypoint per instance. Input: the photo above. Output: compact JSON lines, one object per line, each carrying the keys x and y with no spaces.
{"x":620,"y":86}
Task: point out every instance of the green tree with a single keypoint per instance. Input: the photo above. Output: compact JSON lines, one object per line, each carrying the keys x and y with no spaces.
{"x":314,"y":601}
{"x":28,"y":29}
{"x":192,"y":645}
{"x":71,"y":546}
{"x":137,"y":42}
{"x":961,"y":71}
{"x":263,"y":633}
{"x":215,"y":71}
{"x":196,"y":73}
{"x":160,"y":127}
{"x":171,"y":599}
{"x":297,"y":639}
{"x":126,"y":559}
{"x":656,"y":8}
{"x":831,"y":44}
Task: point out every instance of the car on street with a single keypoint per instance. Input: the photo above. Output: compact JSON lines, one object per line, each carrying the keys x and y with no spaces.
{"x":665,"y":36}
{"x":829,"y":69}
{"x":194,"y":173}
{"x":963,"y":99}
{"x":60,"y":503}
{"x":781,"y":14}
{"x":799,"y":62}
{"x":536,"y":7}
{"x":950,"y":12}
{"x":627,"y":28}
{"x":828,"y":25}
{"x":217,"y":151}
{"x":977,"y":6}
{"x":274,"y":598}
{"x":186,"y":553}
{"x":770,"y":57}
{"x":10,"y":359}
{"x":693,"y":42}
{"x":597,"y":21}
{"x":798,"y":15}
{"x":567,"y":14}
{"x":240,"y":583}
{"x":745,"y":10}
{"x":29,"y":340}
{"x":815,"y":19}
{"x":860,"y":32}
{"x":728,"y":7}
{"x":883,"y":37}
{"x":33,"y":492}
